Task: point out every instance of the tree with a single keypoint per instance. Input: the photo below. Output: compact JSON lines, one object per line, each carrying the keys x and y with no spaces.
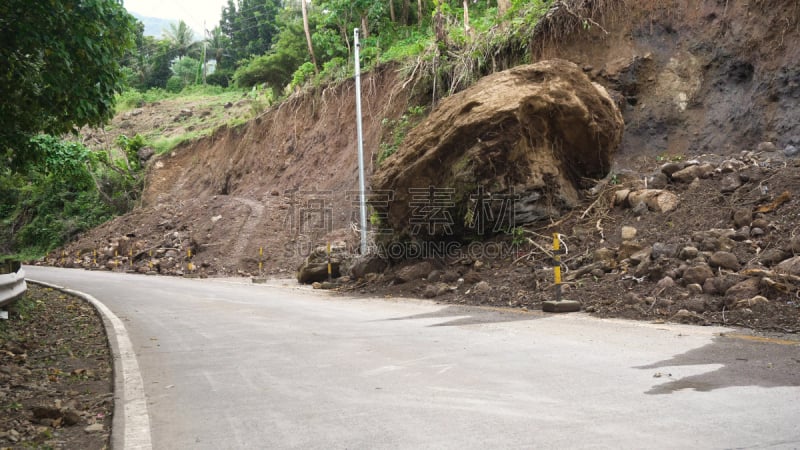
{"x":217,"y":45}
{"x":56,"y":74}
{"x":180,"y":38}
{"x":251,"y":26}
{"x":307,"y":30}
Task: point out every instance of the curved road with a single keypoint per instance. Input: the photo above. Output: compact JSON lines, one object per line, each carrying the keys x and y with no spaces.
{"x":234,"y":365}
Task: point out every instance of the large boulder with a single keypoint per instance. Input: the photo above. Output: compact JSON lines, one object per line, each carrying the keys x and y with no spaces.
{"x":527,"y":135}
{"x":315,"y":267}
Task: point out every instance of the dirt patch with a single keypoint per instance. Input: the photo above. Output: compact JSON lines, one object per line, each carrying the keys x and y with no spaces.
{"x":56,"y":387}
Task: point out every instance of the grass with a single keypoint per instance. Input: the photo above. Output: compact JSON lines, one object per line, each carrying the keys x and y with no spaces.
{"x":212,"y":100}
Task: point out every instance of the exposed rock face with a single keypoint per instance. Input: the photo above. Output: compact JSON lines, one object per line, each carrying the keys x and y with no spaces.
{"x":533,"y":131}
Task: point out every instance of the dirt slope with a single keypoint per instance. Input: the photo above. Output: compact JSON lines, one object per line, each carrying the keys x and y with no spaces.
{"x":694,"y":79}
{"x":280,"y":182}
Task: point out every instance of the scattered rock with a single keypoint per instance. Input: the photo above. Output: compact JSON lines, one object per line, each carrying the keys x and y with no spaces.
{"x":629,"y":248}
{"x":750,"y":302}
{"x":689,"y":174}
{"x":368,"y":264}
{"x":746,"y":289}
{"x":435,"y":290}
{"x":710,"y":286}
{"x":697,"y":274}
{"x":688,"y":253}
{"x":639,"y":209}
{"x":688,"y":317}
{"x":794,"y":244}
{"x":315,"y":266}
{"x":671,"y":167}
{"x":658,"y":181}
{"x":725,"y":260}
{"x":657,"y":200}
{"x":767,"y":147}
{"x":791,"y":151}
{"x":628,"y":233}
{"x":730,"y":183}
{"x":665,"y":284}
{"x":94,"y":428}
{"x":695,"y":304}
{"x":694,"y":289}
{"x":144,"y":154}
{"x":790,"y":266}
{"x":661,"y":250}
{"x":415,"y":271}
{"x":772,"y":256}
{"x":482,"y":288}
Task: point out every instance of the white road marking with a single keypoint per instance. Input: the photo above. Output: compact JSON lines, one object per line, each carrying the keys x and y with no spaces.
{"x":136,"y":422}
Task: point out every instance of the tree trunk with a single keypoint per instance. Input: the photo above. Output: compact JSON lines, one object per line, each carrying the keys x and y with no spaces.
{"x":503,"y":6}
{"x":391,"y":11}
{"x":308,"y":35}
{"x":406,"y":7}
{"x":419,"y":11}
{"x":466,"y":18}
{"x":364,"y":26}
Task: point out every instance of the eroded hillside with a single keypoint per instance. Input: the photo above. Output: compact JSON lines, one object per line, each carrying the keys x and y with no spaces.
{"x":711,"y":87}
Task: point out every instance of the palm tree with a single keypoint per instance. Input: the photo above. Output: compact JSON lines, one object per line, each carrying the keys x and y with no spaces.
{"x":217,"y":44}
{"x":180,"y":38}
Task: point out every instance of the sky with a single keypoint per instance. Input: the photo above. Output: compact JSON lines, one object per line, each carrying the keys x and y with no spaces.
{"x":193,"y":12}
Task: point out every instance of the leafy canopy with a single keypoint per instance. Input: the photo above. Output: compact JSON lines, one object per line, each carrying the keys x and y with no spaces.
{"x":61,"y":68}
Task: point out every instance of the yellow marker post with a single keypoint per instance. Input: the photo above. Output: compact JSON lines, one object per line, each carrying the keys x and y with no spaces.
{"x":330,"y":271}
{"x":559,"y":305}
{"x":557,"y":265}
{"x":190,"y":266}
{"x":260,"y":260}
{"x":94,"y":258}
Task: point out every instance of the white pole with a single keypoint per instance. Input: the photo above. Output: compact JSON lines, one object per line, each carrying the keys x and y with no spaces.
{"x":362,"y":190}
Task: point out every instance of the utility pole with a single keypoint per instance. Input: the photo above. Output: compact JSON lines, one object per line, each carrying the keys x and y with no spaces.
{"x":361,"y":189}
{"x":205,"y":43}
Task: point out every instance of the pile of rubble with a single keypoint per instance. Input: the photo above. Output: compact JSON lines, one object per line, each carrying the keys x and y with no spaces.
{"x":751,"y":258}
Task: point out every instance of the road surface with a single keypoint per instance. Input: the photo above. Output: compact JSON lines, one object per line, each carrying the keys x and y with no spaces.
{"x":233,"y":365}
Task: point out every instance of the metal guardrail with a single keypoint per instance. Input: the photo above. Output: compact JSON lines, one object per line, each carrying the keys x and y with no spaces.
{"x":12,"y":284}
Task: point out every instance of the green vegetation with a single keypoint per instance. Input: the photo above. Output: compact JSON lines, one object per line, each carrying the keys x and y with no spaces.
{"x":56,"y":74}
{"x":396,"y":130}
{"x":72,"y":190}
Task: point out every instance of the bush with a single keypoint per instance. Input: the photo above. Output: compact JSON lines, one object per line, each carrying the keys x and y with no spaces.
{"x":174,"y":85}
{"x":303,"y":73}
{"x":219,"y":78}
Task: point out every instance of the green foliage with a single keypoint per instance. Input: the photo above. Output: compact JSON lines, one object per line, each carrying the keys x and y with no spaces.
{"x":303,"y":74}
{"x":131,"y":147}
{"x":277,"y":67}
{"x":56,"y":73}
{"x":181,"y":39}
{"x":47,"y":204}
{"x":251,"y":27}
{"x":396,"y":131}
{"x":518,"y":236}
{"x":185,"y":70}
{"x":175,"y":84}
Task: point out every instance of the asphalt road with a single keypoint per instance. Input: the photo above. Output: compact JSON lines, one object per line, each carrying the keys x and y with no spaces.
{"x":233,"y":365}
